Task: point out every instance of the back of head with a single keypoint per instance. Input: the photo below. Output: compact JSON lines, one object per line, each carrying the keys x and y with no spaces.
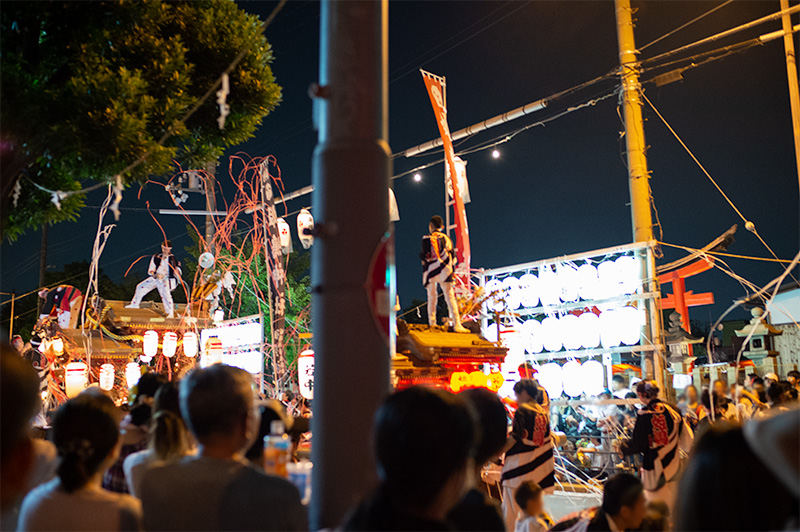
{"x":492,"y":422}
{"x":168,"y":436}
{"x":618,"y":379}
{"x":525,"y":492}
{"x":416,"y":423}
{"x":166,"y":398}
{"x":711,"y":495}
{"x":529,"y":386}
{"x":621,"y":490}
{"x":437,"y":222}
{"x":19,"y":400}
{"x":148,"y":384}
{"x":647,"y":389}
{"x":215,"y":400}
{"x":85,"y":433}
{"x":778,"y":392}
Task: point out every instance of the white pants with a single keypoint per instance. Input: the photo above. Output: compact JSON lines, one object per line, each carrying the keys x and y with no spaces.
{"x":449,"y":297}
{"x":510,"y":507}
{"x":146,"y":286}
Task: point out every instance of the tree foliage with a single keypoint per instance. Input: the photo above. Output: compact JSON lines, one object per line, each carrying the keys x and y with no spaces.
{"x":90,"y":87}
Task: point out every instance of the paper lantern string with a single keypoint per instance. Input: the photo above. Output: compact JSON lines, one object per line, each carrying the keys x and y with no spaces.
{"x":222,"y":95}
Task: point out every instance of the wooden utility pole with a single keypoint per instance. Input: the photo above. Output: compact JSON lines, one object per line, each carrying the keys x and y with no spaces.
{"x":211,"y":203}
{"x":791,"y":71}
{"x":351,"y":169}
{"x":42,"y":267}
{"x":639,"y":178}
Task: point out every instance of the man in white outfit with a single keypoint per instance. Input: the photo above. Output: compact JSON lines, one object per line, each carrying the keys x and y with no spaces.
{"x":165,"y":274}
{"x":438,"y":261}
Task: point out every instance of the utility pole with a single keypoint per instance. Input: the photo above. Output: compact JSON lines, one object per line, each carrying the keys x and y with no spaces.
{"x":639,"y":180}
{"x":42,"y":267}
{"x":211,"y":202}
{"x":351,"y":169}
{"x":791,"y":71}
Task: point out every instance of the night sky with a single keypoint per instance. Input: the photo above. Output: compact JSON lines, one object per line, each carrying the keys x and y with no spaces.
{"x":555,"y":190}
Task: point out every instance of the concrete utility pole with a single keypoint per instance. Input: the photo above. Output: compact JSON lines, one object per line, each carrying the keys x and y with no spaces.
{"x":351,"y":169}
{"x":211,"y":202}
{"x":791,"y":71}
{"x":638,"y":175}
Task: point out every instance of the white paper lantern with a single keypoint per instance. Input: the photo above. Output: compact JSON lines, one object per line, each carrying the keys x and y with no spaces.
{"x":549,"y":286}
{"x":532,"y":331}
{"x":132,"y":374}
{"x":305,"y":221}
{"x":570,"y":282}
{"x":571,"y":375}
{"x":206,"y":260}
{"x":58,"y":345}
{"x":219,"y":315}
{"x":76,"y":377}
{"x":629,"y":272}
{"x":285,"y":235}
{"x":107,"y":377}
{"x":587,"y":281}
{"x":592,"y":377}
{"x":529,"y":286}
{"x":609,"y":329}
{"x":490,"y":332}
{"x":150,"y":344}
{"x":394,"y":212}
{"x":190,"y":344}
{"x":589,"y":327}
{"x":549,"y":377}
{"x":570,"y":333}
{"x":608,"y":273}
{"x":170,"y":344}
{"x":305,"y":373}
{"x":214,"y":351}
{"x":551,"y":334}
{"x":629,"y":322}
{"x":513,"y":294}
{"x":493,"y":304}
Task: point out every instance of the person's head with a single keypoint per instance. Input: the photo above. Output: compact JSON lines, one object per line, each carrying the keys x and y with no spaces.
{"x":148,"y":385}
{"x":769,"y":378}
{"x":19,"y":400}
{"x":287,"y":397}
{"x":709,"y":482}
{"x":682,"y":399}
{"x":166,"y":247}
{"x":618,"y":382}
{"x":527,"y":391}
{"x":17,"y":343}
{"x":528,"y":497}
{"x":167,"y":398}
{"x":605,"y":394}
{"x":778,"y":392}
{"x":168,"y":438}
{"x":721,"y":387}
{"x":492,"y":422}
{"x":623,"y":500}
{"x":217,"y":404}
{"x":436,"y":224}
{"x":430,"y":421}
{"x":646,"y":391}
{"x":793,"y":377}
{"x":271,"y":410}
{"x":86,"y":435}
{"x":705,"y":399}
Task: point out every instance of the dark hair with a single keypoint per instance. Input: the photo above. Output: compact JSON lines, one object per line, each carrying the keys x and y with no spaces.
{"x":269,"y":412}
{"x":167,"y":244}
{"x":621,"y":490}
{"x":215,"y":399}
{"x":526,"y":491}
{"x":149,"y":383}
{"x":778,"y":392}
{"x":166,"y":399}
{"x":141,"y":415}
{"x":631,"y":395}
{"x":85,"y":432}
{"x":710,"y":482}
{"x":492,"y":421}
{"x":529,"y":386}
{"x":289,"y":395}
{"x":437,"y":222}
{"x":794,"y":373}
{"x":757,"y":380}
{"x":618,"y":378}
{"x":648,"y":389}
{"x":167,"y":437}
{"x":418,"y":421}
{"x":19,"y":399}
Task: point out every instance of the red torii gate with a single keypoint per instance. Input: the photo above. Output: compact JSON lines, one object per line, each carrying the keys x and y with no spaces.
{"x":680,"y":299}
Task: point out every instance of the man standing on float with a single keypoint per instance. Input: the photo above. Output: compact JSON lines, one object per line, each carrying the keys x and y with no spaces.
{"x":164,"y":275}
{"x":438,"y":262}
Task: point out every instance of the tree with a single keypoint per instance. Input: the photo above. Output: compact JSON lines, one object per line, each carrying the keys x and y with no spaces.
{"x":90,"y":87}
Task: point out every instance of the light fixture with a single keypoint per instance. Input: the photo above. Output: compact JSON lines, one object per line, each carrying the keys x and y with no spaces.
{"x":570,"y":334}
{"x":417,"y":177}
{"x":609,"y":329}
{"x":571,"y":376}
{"x":551,"y":334}
{"x":107,"y":377}
{"x":496,"y":154}
{"x":132,"y":374}
{"x":589,"y":329}
{"x":587,"y":281}
{"x":190,"y":344}
{"x":305,"y":224}
{"x":570,"y":282}
{"x":549,"y":376}
{"x":629,"y":273}
{"x":513,"y":295}
{"x":58,"y":345}
{"x":150,"y":344}
{"x":170,"y":344}
{"x":305,"y":373}
{"x":629,"y":323}
{"x":493,"y":304}
{"x":75,"y":378}
{"x":592,"y":376}
{"x":219,"y":315}
{"x":549,"y":286}
{"x":532,"y":331}
{"x":213,"y":351}
{"x":529,"y":286}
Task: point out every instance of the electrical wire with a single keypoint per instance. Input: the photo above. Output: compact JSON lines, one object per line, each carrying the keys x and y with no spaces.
{"x":679,"y":28}
{"x":693,"y":250}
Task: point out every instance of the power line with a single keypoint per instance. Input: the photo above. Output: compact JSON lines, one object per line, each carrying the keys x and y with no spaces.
{"x":676,"y":30}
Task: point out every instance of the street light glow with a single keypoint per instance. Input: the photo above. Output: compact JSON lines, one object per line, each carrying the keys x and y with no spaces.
{"x":417,"y":177}
{"x":496,"y":154}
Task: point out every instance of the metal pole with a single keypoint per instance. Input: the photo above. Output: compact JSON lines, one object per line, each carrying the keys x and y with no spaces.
{"x":351,"y":169}
{"x":638,"y":174}
{"x":791,"y":71}
{"x":11,"y":325}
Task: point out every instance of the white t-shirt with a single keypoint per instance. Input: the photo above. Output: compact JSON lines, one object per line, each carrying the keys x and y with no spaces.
{"x":134,"y":467}
{"x":49,"y":507}
{"x":531,"y":523}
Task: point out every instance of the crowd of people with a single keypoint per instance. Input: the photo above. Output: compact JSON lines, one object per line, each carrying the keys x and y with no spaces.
{"x":180,"y":458}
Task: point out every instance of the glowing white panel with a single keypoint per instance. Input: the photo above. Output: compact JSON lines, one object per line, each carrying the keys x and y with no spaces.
{"x":549,"y":376}
{"x":532,"y":331}
{"x":551,"y":334}
{"x":628,"y":268}
{"x":609,"y":275}
{"x":529,"y":286}
{"x":569,"y":280}
{"x":589,"y":327}
{"x":609,"y":329}
{"x":570,"y":333}
{"x":629,"y":321}
{"x":587,"y":281}
{"x":592,"y":377}
{"x":549,"y":286}
{"x":573,"y":382}
{"x":513,"y":293}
